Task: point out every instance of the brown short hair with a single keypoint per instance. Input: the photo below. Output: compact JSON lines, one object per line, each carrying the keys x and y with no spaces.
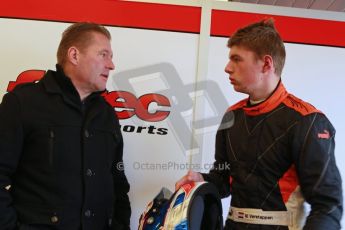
{"x":79,"y":35}
{"x":262,"y":38}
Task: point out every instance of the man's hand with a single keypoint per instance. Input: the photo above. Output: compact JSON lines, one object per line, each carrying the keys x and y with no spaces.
{"x":191,"y":176}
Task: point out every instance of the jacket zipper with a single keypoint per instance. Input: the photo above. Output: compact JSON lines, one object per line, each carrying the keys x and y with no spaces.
{"x":51,"y":146}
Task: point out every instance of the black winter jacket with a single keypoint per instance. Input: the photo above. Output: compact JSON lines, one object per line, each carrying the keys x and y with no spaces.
{"x":62,"y":158}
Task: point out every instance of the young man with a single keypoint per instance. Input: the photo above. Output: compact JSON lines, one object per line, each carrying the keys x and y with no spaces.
{"x":280,"y":148}
{"x":60,"y":143}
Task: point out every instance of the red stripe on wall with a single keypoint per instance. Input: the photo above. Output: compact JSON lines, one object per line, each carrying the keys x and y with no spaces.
{"x":171,"y":18}
{"x":292,"y":29}
{"x":107,"y":12}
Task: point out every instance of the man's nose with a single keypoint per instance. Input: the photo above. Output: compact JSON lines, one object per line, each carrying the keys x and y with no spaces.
{"x":228,"y":68}
{"x":111,"y":65}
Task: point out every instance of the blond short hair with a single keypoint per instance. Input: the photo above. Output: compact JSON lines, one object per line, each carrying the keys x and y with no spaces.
{"x":79,"y":35}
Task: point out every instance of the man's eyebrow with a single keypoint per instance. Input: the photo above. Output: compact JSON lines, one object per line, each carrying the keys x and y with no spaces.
{"x":234,"y":55}
{"x":106,"y":51}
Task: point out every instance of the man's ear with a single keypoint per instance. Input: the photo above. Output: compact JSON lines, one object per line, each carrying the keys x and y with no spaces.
{"x":268,"y":64}
{"x":73,"y":55}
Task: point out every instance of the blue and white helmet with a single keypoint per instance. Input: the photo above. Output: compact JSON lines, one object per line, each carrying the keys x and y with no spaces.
{"x":195,"y":206}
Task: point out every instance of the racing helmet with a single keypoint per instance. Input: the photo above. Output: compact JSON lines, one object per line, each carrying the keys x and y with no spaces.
{"x":195,"y":206}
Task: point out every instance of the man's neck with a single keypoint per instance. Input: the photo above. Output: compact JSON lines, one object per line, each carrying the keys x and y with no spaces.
{"x":262,"y":95}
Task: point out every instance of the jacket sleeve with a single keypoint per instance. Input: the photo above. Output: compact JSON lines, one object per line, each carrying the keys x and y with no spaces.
{"x":122,"y":208}
{"x":11,"y":139}
{"x":219,"y":175}
{"x":313,"y":148}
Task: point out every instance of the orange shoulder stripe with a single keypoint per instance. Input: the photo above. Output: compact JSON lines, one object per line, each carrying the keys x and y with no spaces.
{"x":299,"y":105}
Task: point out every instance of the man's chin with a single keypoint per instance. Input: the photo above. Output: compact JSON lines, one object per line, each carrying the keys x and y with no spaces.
{"x":236,"y":88}
{"x":101,"y":88}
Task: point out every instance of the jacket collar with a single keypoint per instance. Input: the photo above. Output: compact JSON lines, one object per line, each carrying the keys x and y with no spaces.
{"x":57,"y":82}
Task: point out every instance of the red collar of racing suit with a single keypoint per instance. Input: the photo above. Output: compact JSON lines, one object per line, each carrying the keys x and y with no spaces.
{"x":280,"y":95}
{"x":268,"y":105}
